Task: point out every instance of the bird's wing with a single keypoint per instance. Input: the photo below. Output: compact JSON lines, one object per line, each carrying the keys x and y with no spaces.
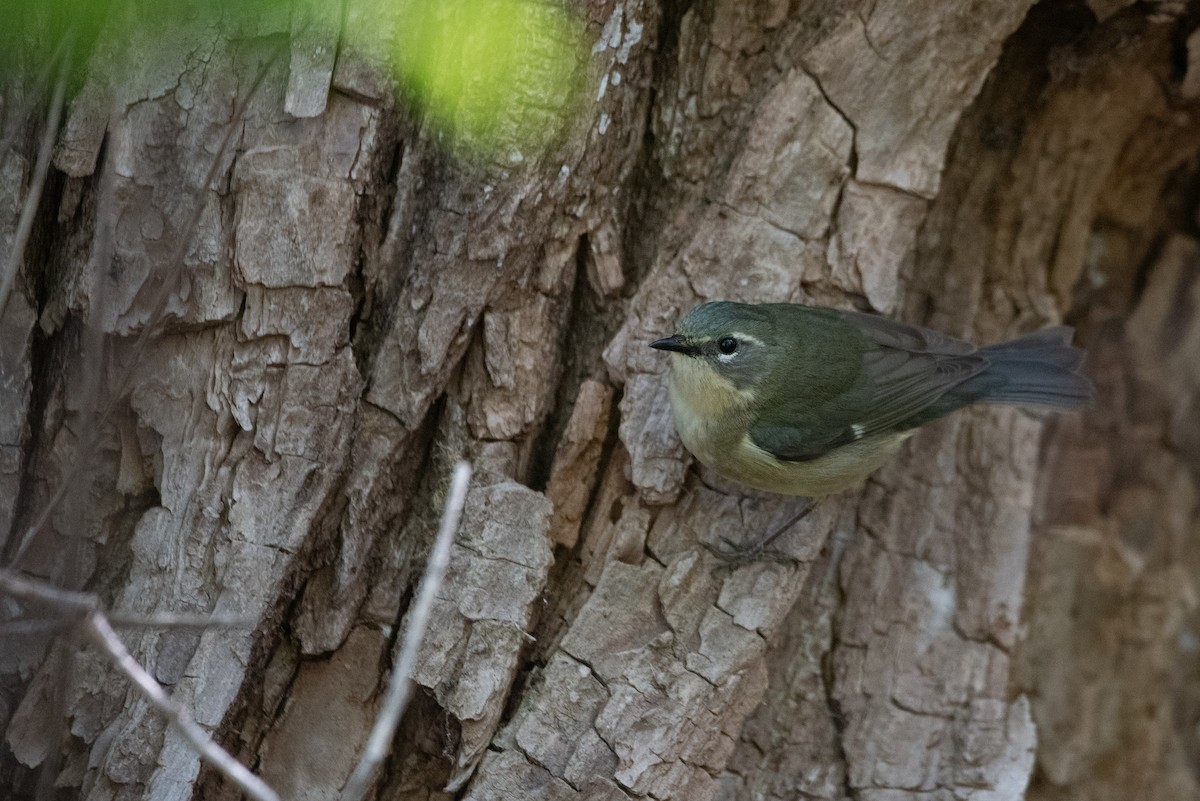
{"x":905,"y":368}
{"x":792,"y":443}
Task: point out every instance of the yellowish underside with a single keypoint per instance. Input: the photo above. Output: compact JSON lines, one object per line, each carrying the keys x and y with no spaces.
{"x":711,"y":415}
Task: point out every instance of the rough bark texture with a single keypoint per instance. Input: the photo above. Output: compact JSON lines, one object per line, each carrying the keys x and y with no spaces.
{"x":1008,"y":610}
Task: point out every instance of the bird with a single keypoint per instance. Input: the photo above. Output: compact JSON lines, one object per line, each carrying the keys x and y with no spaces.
{"x":809,"y":400}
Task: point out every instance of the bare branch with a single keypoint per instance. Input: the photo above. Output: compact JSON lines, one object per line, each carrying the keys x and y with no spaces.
{"x":180,"y":620}
{"x":400,"y":685}
{"x":166,"y":621}
{"x":32,"y":628}
{"x":17,"y":115}
{"x":33,"y":198}
{"x":72,"y":606}
{"x":27,"y":589}
{"x":101,"y":633}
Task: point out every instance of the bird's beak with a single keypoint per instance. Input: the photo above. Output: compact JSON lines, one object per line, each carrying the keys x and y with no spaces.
{"x":673,"y":343}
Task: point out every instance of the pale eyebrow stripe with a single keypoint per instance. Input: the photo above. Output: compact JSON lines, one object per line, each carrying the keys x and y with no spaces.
{"x":746,"y":337}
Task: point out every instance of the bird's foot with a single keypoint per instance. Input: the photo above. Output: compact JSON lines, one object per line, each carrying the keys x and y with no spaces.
{"x":736,"y":554}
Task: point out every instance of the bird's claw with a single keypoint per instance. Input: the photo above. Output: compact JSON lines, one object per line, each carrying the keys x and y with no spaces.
{"x":736,"y":554}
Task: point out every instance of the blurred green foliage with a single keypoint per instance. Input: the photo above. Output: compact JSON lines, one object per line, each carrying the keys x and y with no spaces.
{"x":496,"y":78}
{"x":34,"y":33}
{"x":492,"y":73}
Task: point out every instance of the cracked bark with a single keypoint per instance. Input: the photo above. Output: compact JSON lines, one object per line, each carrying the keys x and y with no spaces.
{"x":1006,"y":611}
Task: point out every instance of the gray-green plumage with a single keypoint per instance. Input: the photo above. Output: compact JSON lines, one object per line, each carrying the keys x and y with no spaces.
{"x":801,"y":403}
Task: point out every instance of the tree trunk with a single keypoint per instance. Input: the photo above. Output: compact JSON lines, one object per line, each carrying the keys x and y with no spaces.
{"x":1007,"y":610}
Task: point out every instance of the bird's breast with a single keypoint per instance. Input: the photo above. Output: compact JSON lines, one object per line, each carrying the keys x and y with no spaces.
{"x":708,"y":408}
{"x":713,"y":418}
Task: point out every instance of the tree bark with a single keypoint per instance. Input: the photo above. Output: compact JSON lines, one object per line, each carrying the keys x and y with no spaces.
{"x":1008,"y":610}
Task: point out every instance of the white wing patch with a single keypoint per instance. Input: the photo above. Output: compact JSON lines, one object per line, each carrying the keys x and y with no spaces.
{"x":857,"y":429}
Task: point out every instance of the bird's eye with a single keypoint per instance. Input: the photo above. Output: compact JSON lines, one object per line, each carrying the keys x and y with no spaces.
{"x":728,"y":346}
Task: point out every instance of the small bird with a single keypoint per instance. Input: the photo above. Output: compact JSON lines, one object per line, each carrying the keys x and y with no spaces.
{"x":805,"y":400}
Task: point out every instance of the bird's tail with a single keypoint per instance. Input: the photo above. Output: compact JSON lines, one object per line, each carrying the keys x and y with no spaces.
{"x":1040,"y":368}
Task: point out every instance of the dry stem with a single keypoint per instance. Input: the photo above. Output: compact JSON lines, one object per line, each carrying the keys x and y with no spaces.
{"x":400,"y":685}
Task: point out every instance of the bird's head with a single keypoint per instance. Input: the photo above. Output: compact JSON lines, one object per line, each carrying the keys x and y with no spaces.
{"x":734,"y":340}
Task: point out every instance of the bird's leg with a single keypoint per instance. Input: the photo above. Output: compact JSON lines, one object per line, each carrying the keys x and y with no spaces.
{"x":740,"y":553}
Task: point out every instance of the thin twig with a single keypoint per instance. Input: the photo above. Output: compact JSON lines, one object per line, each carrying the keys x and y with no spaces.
{"x":32,"y":590}
{"x":32,"y":92}
{"x":101,"y":633}
{"x":400,"y":685}
{"x":15,"y":585}
{"x":32,"y":628}
{"x":175,"y":621}
{"x":33,"y":198}
{"x":165,"y":621}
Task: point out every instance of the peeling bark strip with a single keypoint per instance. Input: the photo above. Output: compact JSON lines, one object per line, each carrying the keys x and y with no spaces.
{"x":1007,"y":611}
